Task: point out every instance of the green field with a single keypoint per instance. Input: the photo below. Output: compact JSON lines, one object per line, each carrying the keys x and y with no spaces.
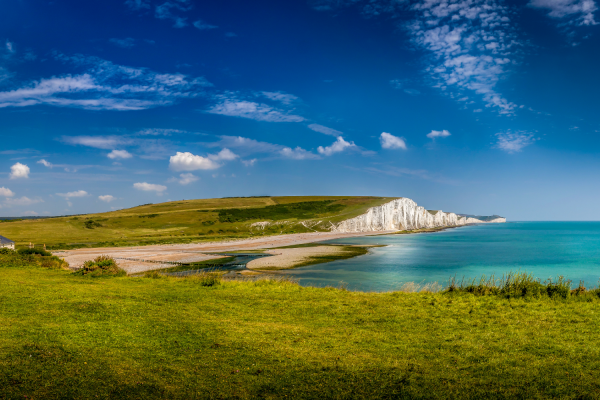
{"x":190,"y":221}
{"x":64,"y":336}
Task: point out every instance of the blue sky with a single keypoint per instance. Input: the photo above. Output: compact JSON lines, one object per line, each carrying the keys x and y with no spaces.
{"x":471,"y":106}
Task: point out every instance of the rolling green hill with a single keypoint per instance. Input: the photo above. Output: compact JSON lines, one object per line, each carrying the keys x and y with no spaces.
{"x":190,"y":221}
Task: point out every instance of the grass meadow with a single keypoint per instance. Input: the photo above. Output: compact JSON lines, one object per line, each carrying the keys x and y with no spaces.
{"x":66,"y":336}
{"x":189,"y":221}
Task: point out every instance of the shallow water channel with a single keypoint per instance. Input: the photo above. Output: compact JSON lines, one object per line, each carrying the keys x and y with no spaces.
{"x":237,"y":264}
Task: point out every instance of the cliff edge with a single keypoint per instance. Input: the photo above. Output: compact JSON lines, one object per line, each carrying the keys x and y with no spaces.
{"x":405,"y":214}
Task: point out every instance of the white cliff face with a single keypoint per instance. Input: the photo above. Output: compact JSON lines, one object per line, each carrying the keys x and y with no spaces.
{"x":403,"y":214}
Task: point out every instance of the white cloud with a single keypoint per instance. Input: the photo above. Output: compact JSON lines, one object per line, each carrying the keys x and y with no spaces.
{"x":203,"y":25}
{"x":389,"y":141}
{"x":225,"y":155}
{"x":78,"y":193}
{"x":253,"y":110}
{"x":45,"y":163}
{"x":5,"y":192}
{"x":159,"y":132}
{"x":105,"y":86}
{"x":98,"y":142}
{"x":124,"y":43}
{"x":251,"y":146}
{"x":325,"y":130}
{"x":297,"y":154}
{"x":22,"y":201}
{"x":513,"y":142}
{"x":189,"y":162}
{"x":150,"y":187}
{"x":249,"y":163}
{"x":10,"y":47}
{"x":187,"y":178}
{"x":281,"y":97}
{"x":107,"y":198}
{"x":438,"y":134}
{"x":19,"y":171}
{"x":471,"y":42}
{"x":338,"y":146}
{"x":165,"y":11}
{"x":119,"y":155}
{"x":582,"y":11}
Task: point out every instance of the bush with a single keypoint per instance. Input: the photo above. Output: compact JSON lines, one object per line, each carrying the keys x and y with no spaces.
{"x":6,"y":250}
{"x":34,"y":251}
{"x":101,"y":266}
{"x":91,"y":224}
{"x":53,"y":262}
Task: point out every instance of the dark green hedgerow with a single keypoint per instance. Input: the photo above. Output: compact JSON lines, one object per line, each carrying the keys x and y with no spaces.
{"x":304,"y":210}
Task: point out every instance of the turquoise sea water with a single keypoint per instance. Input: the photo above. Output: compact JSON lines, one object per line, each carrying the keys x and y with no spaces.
{"x":545,"y":249}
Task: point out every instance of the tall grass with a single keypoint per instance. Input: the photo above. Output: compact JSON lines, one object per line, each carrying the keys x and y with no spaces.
{"x":519,"y":284}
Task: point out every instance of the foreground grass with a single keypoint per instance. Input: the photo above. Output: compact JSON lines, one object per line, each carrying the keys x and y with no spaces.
{"x":65,"y":336}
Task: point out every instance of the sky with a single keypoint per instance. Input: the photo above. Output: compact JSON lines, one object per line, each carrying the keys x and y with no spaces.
{"x":470,"y":106}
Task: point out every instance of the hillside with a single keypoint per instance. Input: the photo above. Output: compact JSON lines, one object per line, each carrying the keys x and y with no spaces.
{"x":191,"y":221}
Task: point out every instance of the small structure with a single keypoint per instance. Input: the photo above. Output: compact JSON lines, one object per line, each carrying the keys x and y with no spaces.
{"x":4,"y":242}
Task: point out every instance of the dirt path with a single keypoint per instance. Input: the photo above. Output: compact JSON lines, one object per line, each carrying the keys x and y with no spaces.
{"x":140,"y":255}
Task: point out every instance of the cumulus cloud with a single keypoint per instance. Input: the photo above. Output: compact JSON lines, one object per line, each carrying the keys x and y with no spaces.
{"x":513,"y":142}
{"x":119,"y":155}
{"x":5,"y":192}
{"x":203,"y":25}
{"x":105,"y":86}
{"x":150,"y":187}
{"x":389,"y":141}
{"x":325,"y":130}
{"x":189,"y":162}
{"x":581,"y":12}
{"x":45,"y":163}
{"x":78,"y":193}
{"x":19,"y":171}
{"x":338,"y":146}
{"x":438,"y":134}
{"x":107,"y":198}
{"x":187,"y":178}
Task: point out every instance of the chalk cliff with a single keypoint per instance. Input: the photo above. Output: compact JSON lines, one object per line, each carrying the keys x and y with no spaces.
{"x":404,"y":214}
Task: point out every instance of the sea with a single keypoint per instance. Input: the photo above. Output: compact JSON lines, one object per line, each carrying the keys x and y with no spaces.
{"x":546,"y":250}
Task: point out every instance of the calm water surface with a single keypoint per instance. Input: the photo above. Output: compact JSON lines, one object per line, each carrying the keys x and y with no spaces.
{"x":545,"y":249}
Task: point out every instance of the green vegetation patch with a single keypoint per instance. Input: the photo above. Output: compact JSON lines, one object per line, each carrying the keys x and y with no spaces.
{"x":66,"y":336}
{"x":305,"y":210}
{"x":101,"y":266}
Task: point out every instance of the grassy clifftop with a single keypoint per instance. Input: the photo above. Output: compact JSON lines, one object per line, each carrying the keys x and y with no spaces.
{"x":69,"y":336}
{"x":191,"y":220}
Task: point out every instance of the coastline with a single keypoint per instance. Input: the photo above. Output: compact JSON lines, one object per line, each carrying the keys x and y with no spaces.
{"x":137,"y":259}
{"x":291,"y":251}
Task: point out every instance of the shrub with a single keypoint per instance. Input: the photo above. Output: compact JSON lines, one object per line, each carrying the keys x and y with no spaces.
{"x":101,"y":266}
{"x":34,"y":251}
{"x":6,"y":250}
{"x":91,"y":224}
{"x":53,"y":262}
